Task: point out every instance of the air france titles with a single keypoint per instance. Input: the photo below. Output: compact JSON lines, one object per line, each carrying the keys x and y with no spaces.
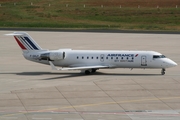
{"x":122,"y":57}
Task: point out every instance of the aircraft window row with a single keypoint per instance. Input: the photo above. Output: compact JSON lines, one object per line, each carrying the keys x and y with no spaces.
{"x":158,"y":56}
{"x":155,"y":56}
{"x":88,"y":57}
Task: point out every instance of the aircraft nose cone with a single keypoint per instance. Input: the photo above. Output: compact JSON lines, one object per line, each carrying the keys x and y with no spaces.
{"x":173,"y":64}
{"x":170,"y":63}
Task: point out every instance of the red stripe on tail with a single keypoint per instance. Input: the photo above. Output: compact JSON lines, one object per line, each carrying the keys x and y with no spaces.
{"x":20,"y":44}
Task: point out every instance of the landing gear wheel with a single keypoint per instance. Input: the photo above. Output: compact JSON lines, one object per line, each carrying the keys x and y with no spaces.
{"x":87,"y":72}
{"x":163,"y":71}
{"x":93,"y":70}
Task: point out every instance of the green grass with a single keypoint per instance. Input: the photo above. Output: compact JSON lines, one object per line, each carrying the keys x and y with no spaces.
{"x":57,"y":15}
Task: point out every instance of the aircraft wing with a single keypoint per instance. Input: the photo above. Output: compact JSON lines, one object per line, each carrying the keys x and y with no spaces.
{"x":78,"y":68}
{"x":85,"y":67}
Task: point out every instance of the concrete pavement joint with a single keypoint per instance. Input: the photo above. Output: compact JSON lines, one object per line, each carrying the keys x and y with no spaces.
{"x":87,"y":105}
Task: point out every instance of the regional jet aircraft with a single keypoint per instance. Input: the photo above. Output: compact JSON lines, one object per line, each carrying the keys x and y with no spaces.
{"x":89,"y":61}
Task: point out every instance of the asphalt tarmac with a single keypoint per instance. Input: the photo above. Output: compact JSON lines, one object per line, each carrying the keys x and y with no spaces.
{"x":31,"y":91}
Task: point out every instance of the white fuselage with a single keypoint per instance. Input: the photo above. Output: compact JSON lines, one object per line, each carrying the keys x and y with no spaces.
{"x":90,"y":60}
{"x":112,"y":59}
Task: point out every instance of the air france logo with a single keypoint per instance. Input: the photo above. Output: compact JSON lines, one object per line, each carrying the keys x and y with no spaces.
{"x":122,"y":57}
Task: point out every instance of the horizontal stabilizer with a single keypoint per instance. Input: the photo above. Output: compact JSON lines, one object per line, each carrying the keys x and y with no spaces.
{"x":13,"y":34}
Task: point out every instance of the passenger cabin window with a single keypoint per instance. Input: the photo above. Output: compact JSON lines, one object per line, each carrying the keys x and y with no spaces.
{"x":96,"y":57}
{"x":106,"y":57}
{"x":158,"y":56}
{"x":82,"y":57}
{"x":87,"y":57}
{"x":77,"y":57}
{"x":92,"y":57}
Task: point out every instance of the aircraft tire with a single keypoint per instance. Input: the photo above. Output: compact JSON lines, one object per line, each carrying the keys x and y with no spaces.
{"x":93,"y":70}
{"x":87,"y":72}
{"x":163,"y":72}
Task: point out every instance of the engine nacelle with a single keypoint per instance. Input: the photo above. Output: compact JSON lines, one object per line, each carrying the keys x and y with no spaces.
{"x":55,"y":55}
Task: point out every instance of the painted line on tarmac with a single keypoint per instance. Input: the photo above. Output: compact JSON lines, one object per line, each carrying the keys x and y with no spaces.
{"x":10,"y":118}
{"x":41,"y":118}
{"x":89,"y":105}
{"x":106,"y":103}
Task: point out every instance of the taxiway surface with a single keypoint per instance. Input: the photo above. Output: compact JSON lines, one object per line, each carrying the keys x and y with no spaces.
{"x":30,"y":91}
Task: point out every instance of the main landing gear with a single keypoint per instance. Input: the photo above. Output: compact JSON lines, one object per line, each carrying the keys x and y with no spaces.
{"x":87,"y":72}
{"x":163,"y":71}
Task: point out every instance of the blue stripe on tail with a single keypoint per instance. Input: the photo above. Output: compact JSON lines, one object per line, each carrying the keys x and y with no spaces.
{"x":25,"y":42}
{"x":30,"y":42}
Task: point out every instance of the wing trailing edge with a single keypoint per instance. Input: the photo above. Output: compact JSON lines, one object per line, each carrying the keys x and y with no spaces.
{"x":78,"y":68}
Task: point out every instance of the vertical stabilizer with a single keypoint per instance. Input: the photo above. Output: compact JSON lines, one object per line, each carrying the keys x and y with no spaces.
{"x":25,"y":41}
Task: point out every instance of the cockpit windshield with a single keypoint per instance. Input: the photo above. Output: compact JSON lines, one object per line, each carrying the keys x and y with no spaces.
{"x":158,"y":56}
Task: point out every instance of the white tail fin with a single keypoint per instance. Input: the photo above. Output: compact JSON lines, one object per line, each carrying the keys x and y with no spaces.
{"x":25,"y":41}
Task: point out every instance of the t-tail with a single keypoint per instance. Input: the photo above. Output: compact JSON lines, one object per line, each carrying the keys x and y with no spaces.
{"x":25,"y":41}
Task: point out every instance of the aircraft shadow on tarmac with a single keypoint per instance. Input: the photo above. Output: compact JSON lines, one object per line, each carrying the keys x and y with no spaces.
{"x":69,"y":75}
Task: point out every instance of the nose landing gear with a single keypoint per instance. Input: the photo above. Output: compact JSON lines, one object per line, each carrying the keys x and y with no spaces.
{"x":163,"y":71}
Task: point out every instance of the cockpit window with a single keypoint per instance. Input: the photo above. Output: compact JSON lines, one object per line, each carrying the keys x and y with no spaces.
{"x":158,"y":56}
{"x":162,"y":56}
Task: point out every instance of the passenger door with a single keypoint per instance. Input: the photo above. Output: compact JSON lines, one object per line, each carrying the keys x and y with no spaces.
{"x":102,"y":57}
{"x":143,"y":60}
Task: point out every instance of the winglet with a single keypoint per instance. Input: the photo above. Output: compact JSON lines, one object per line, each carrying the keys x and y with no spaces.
{"x":53,"y":67}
